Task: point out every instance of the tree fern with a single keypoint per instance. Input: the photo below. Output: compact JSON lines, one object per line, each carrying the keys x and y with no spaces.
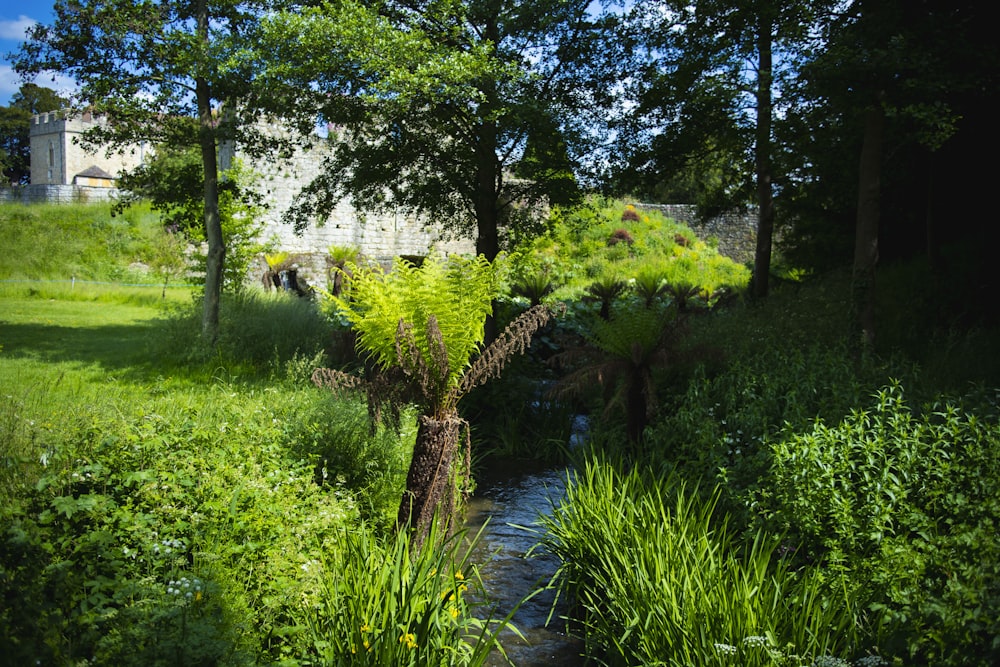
{"x":458,"y":293}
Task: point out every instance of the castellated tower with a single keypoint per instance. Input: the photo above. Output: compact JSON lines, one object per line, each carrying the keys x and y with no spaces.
{"x":57,"y":158}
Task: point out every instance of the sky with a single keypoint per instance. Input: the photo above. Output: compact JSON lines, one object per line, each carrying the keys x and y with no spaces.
{"x":15,"y":17}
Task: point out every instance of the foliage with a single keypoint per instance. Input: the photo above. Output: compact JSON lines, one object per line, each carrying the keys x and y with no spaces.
{"x":902,"y":506}
{"x":574,"y":251}
{"x":136,"y":496}
{"x":621,"y":355}
{"x":439,"y":308}
{"x":384,"y":603}
{"x":443,"y":101}
{"x":174,"y":183}
{"x":661,"y":581}
{"x":421,"y":328}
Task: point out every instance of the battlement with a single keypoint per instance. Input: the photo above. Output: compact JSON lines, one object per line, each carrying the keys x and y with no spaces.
{"x":52,"y":122}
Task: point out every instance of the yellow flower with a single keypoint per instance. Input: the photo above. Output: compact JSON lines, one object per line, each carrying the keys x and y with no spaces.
{"x":366,"y":628}
{"x":454,"y":611}
{"x":459,"y":576}
{"x":409,"y":639}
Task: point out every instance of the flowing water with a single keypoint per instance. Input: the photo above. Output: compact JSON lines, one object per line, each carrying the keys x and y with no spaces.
{"x":509,"y":500}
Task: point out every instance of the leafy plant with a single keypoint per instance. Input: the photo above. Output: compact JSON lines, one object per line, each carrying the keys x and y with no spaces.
{"x":621,"y":355}
{"x":899,"y":505}
{"x":605,"y":291}
{"x":378,"y":604}
{"x":421,"y":327}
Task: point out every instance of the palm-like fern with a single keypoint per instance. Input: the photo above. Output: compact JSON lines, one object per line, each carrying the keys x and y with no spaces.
{"x":442,"y":305}
{"x":621,"y":356}
{"x":424,"y":328}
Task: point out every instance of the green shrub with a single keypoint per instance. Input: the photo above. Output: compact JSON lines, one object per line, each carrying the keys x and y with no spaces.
{"x":718,"y":426}
{"x":136,"y":497}
{"x":904,"y":507}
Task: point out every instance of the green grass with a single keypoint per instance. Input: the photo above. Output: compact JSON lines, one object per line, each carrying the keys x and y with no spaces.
{"x":131,"y":461}
{"x":60,"y":242}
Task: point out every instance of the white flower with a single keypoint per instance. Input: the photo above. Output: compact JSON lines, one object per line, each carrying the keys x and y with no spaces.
{"x":725,"y":649}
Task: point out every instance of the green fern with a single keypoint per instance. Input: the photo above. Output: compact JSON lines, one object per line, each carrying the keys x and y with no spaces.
{"x":450,"y":298}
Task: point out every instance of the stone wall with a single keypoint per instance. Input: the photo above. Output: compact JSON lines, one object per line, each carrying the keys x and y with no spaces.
{"x":56,"y":194}
{"x":735,"y":232}
{"x":380,"y":236}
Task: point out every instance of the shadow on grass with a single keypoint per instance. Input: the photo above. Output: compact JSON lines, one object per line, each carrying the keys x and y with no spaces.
{"x":114,"y":347}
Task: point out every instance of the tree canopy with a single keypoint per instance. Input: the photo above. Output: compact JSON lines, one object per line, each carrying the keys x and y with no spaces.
{"x":466,"y":112}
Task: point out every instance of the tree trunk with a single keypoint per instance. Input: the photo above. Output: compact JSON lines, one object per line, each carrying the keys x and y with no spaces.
{"x":762,"y":151}
{"x":635,"y":418}
{"x":866,"y":230}
{"x":213,"y":224}
{"x":429,"y":482}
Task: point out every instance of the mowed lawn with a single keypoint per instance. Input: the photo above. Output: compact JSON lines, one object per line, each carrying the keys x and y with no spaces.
{"x":111,"y":335}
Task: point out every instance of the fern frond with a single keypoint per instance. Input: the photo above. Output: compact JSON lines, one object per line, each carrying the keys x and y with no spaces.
{"x":514,"y":339}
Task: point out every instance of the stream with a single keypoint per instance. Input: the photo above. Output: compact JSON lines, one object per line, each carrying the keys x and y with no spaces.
{"x":510,"y":495}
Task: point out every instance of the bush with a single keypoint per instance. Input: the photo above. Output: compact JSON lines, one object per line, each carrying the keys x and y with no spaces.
{"x":903,"y":507}
{"x":134,"y":503}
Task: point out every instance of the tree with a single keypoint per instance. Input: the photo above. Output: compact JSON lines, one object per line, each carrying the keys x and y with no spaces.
{"x":15,"y":129}
{"x":423,"y":329}
{"x":708,"y":87}
{"x":172,"y":181}
{"x":435,"y":105}
{"x":891,"y":127}
{"x":151,"y":67}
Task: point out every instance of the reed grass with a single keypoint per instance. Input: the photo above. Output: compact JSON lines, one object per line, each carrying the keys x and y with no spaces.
{"x":385,"y":602}
{"x":661,"y":580}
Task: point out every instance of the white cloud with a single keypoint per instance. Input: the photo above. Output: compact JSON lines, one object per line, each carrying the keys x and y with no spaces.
{"x":14,"y":30}
{"x":11,"y":82}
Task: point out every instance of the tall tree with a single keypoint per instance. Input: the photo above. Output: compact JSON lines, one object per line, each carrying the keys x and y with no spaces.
{"x":441,"y":102}
{"x":15,"y":129}
{"x":708,"y":86}
{"x":890,"y":129}
{"x":152,"y":66}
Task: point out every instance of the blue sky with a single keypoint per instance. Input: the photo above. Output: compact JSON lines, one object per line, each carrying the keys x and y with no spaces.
{"x":15,"y":17}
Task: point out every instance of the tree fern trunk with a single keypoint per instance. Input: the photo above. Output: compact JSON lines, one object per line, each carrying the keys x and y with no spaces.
{"x":429,"y":480}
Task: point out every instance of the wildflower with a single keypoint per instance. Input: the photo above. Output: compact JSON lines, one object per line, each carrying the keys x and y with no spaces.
{"x":829,"y":661}
{"x":871,"y":661}
{"x":453,"y":610}
{"x":725,"y":649}
{"x":409,"y":639}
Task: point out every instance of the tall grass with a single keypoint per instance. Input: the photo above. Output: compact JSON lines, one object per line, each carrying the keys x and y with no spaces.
{"x":660,"y":580}
{"x":380,"y":603}
{"x":58,"y":242}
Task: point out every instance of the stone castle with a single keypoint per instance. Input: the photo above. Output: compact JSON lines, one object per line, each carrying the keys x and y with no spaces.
{"x":62,"y":171}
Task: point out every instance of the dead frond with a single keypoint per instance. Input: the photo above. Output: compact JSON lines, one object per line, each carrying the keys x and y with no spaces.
{"x":514,"y":339}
